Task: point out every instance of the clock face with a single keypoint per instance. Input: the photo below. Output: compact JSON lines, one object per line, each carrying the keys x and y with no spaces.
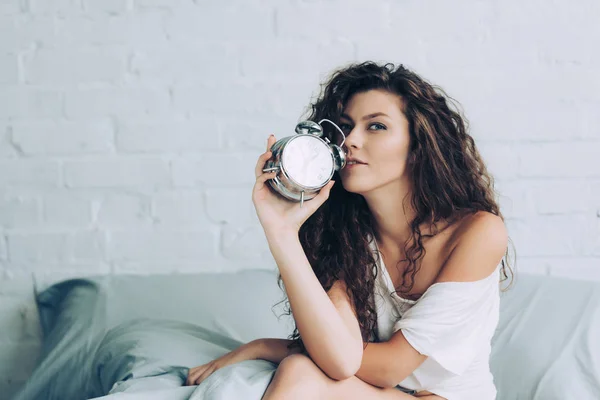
{"x":308,"y":161}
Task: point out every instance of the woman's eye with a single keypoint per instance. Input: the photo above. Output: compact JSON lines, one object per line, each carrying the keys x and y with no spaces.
{"x":345,"y":127}
{"x":377,"y":126}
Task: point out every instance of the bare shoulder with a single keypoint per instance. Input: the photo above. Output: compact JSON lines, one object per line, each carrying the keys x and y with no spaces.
{"x":479,"y":245}
{"x":483,"y":226}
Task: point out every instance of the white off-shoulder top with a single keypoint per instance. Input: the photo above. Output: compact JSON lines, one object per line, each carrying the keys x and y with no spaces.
{"x":452,"y":324}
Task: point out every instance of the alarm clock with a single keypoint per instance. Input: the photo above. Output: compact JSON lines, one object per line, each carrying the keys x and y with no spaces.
{"x":304,"y":162}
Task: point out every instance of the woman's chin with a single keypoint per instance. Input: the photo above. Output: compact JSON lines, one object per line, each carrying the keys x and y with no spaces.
{"x":353,"y":186}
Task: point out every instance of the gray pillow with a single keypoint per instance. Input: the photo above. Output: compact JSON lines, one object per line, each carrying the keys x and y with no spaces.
{"x":73,"y":319}
{"x":79,"y":315}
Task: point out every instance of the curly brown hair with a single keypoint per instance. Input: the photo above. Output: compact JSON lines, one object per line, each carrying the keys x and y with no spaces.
{"x":449,"y":180}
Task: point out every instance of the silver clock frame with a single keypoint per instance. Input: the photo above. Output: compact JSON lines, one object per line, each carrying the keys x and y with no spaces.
{"x":282,"y":183}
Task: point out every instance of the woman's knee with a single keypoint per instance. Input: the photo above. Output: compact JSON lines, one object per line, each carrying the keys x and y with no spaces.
{"x":297,"y":365}
{"x":299,"y":372}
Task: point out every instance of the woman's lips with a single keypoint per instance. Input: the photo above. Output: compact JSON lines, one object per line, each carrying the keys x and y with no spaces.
{"x":350,"y":166}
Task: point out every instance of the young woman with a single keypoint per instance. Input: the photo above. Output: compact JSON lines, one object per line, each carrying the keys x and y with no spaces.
{"x":392,"y":272}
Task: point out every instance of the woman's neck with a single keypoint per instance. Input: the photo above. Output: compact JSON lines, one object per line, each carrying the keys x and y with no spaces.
{"x":393,"y":213}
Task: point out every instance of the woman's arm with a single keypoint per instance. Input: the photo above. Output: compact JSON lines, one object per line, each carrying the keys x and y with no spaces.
{"x":476,"y":255}
{"x":272,"y":349}
{"x":326,"y":322}
{"x":387,"y":364}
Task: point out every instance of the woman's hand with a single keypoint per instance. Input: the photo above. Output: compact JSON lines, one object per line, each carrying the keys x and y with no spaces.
{"x":198,"y":374}
{"x":276,"y":213}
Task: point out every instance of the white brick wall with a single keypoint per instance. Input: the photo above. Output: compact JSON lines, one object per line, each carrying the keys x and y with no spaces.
{"x":129,"y":128}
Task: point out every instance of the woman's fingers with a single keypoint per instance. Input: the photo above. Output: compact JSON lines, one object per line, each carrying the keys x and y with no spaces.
{"x":191,"y":376}
{"x":260,"y":164}
{"x":266,"y":176}
{"x":316,"y":202}
{"x":264,"y":157}
{"x":205,"y":374}
{"x":195,"y":373}
{"x":270,"y":142}
{"x":260,"y":184}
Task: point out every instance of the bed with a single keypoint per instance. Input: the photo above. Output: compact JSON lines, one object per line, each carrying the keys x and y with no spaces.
{"x":135,"y":337}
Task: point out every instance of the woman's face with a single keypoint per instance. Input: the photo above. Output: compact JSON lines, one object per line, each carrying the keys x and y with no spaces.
{"x":376,"y":133}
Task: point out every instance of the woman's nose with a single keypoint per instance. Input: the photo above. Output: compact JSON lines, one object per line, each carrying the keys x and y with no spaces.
{"x":353,"y":139}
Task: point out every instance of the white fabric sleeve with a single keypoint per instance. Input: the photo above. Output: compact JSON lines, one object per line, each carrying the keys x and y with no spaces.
{"x":452,"y":321}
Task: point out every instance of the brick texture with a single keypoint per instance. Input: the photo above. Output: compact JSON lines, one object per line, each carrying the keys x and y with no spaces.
{"x":129,"y":129}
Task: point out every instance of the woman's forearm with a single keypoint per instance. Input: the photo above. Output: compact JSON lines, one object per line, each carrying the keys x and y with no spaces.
{"x":327,"y":338}
{"x":371,"y":371}
{"x":372,"y":368}
{"x":271,"y":349}
{"x":386,"y":364}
